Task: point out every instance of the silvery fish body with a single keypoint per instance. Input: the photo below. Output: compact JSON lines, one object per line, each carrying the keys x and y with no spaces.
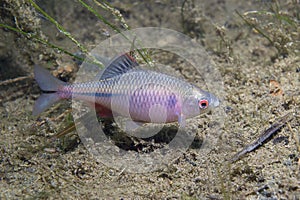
{"x":124,"y":90}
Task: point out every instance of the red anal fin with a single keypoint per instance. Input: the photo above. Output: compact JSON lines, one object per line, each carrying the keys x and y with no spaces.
{"x":101,"y":111}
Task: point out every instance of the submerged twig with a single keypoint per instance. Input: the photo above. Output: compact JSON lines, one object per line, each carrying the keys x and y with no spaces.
{"x":67,"y":130}
{"x":263,"y":137}
{"x":14,"y":80}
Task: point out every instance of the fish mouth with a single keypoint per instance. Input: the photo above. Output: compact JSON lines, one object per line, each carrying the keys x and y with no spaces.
{"x":215,"y":102}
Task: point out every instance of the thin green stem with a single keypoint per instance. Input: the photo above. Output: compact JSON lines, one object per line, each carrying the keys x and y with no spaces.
{"x":106,"y":6}
{"x":67,"y":34}
{"x":141,"y":52}
{"x":38,"y":39}
{"x":45,"y":42}
{"x":101,"y":17}
{"x":255,"y":27}
{"x":59,"y":27}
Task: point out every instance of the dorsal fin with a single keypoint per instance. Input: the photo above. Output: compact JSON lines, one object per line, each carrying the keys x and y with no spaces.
{"x":117,"y":66}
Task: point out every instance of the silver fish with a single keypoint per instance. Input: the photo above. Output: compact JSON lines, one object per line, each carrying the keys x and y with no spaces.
{"x":142,"y":95}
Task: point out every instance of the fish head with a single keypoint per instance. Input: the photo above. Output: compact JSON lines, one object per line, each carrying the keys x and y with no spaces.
{"x":198,"y":101}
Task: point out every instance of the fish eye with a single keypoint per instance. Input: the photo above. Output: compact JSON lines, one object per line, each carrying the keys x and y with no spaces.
{"x":203,"y":104}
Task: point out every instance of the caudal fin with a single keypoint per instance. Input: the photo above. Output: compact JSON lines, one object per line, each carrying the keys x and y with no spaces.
{"x":47,"y":83}
{"x":44,"y":102}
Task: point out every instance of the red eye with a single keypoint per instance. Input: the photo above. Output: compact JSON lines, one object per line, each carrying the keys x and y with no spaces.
{"x":203,"y":104}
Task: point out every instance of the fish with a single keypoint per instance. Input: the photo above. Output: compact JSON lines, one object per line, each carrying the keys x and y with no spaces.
{"x":124,"y":89}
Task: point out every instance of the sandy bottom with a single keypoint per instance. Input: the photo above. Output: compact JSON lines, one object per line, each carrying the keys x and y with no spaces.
{"x":259,"y":83}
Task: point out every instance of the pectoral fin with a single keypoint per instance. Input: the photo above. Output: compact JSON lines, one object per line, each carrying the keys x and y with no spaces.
{"x":181,"y":121}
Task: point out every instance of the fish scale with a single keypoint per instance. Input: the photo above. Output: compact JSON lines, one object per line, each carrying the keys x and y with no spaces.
{"x":142,"y":95}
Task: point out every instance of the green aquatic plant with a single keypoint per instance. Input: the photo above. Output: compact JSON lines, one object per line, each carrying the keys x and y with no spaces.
{"x":35,"y":37}
{"x":280,"y":27}
{"x":106,"y":6}
{"x":34,"y":34}
{"x":59,"y":27}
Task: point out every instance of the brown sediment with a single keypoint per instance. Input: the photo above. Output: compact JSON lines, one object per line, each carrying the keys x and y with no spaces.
{"x":33,"y":165}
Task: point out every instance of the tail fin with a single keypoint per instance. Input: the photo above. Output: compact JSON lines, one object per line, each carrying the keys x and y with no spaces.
{"x":49,"y":83}
{"x":46,"y":81}
{"x":44,"y":102}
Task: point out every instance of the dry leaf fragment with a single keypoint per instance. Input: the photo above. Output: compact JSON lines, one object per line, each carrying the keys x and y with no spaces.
{"x":275,"y":88}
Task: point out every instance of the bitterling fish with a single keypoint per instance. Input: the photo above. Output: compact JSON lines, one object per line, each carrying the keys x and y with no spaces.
{"x":142,"y":95}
